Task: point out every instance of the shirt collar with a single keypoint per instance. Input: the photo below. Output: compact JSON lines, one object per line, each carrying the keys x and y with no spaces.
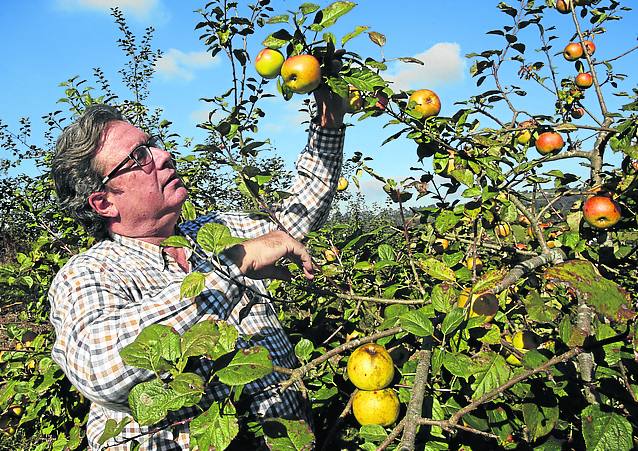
{"x":147,"y":251}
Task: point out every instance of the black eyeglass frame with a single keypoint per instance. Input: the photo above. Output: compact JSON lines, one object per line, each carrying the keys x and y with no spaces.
{"x":154,"y":141}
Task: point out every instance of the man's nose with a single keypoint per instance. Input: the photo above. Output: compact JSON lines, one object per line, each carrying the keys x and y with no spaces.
{"x":164,"y":158}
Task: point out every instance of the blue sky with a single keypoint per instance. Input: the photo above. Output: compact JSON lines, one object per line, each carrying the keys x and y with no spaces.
{"x":48,"y":41}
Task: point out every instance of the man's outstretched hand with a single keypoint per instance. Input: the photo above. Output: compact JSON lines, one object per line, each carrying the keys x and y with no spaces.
{"x":257,"y":258}
{"x":330,"y":107}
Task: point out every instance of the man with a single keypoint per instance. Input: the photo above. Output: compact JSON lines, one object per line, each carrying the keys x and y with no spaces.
{"x":122,"y":186}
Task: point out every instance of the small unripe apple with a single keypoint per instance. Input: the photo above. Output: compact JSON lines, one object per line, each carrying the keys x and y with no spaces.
{"x":426,"y":102}
{"x":601,"y":211}
{"x":584,"y":80}
{"x":376,"y":407}
{"x":329,"y":255}
{"x":268,"y":63}
{"x":342,"y":185}
{"x":577,"y":113}
{"x":589,"y":46}
{"x":549,"y":142}
{"x":441,"y":245}
{"x":573,"y":51}
{"x":503,"y":229}
{"x":523,"y":340}
{"x":472,"y":262}
{"x":564,"y":6}
{"x":485,"y":304}
{"x":355,"y":100}
{"x":301,"y":73}
{"x":382,"y":100}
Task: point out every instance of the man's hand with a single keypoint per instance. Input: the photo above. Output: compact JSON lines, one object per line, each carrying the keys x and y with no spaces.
{"x":330,"y":107}
{"x":257,"y":258}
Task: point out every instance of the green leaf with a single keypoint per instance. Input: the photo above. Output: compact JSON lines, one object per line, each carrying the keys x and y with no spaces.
{"x":357,"y":31}
{"x":331,"y":13}
{"x":445,"y":221}
{"x":282,"y":18}
{"x":304,"y":349}
{"x":288,"y":435}
{"x":540,"y":419}
{"x":214,"y":429}
{"x":443,"y":297}
{"x":176,"y":241}
{"x":386,"y":252}
{"x":247,"y":365}
{"x":417,"y":323}
{"x":112,"y":429}
{"x":605,"y":296}
{"x":364,"y":79}
{"x":150,"y":402}
{"x":605,"y":430}
{"x":215,"y":238}
{"x":490,"y":371}
{"x":192,"y":285}
{"x":188,"y":211}
{"x":377,"y":38}
{"x":153,"y":349}
{"x":200,"y":340}
{"x":452,"y":320}
{"x":373,"y":432}
{"x":188,"y":387}
{"x":339,"y":86}
{"x":458,"y":364}
{"x":537,"y":310}
{"x":308,"y":8}
{"x":437,"y":269}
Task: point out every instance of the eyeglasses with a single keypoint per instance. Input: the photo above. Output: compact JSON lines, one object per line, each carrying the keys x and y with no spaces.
{"x":141,"y":156}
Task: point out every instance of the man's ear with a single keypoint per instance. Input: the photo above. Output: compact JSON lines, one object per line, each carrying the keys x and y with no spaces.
{"x":100,"y":203}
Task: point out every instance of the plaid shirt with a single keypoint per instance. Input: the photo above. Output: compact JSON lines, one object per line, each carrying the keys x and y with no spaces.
{"x":102,"y":299}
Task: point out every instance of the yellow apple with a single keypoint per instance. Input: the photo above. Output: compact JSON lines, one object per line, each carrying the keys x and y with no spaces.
{"x":376,"y":407}
{"x":370,"y":367}
{"x":425,"y":102}
{"x":268,"y":63}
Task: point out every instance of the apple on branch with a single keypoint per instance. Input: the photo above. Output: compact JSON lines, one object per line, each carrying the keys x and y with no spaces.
{"x":549,"y":142}
{"x":584,"y":80}
{"x":268,"y":63}
{"x":425,"y":102}
{"x":601,"y":211}
{"x":573,"y":51}
{"x":301,"y":73}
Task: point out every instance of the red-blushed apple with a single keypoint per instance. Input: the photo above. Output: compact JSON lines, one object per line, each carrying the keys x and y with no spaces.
{"x":584,"y":80}
{"x":301,"y":73}
{"x":426,"y":102}
{"x":382,"y":100}
{"x":577,"y":113}
{"x":549,"y":142}
{"x":268,"y":63}
{"x":573,"y":51}
{"x":589,"y":46}
{"x":601,"y":211}
{"x":564,"y":6}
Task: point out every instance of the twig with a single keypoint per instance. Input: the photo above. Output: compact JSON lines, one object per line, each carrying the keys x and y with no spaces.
{"x":298,"y":373}
{"x":342,"y":416}
{"x":553,"y":256}
{"x":392,"y":436}
{"x":454,"y":419}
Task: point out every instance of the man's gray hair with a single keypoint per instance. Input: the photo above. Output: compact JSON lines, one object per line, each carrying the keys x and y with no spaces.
{"x":73,"y":167}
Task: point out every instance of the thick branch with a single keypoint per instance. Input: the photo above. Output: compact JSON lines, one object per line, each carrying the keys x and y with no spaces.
{"x":553,"y":256}
{"x":416,"y":401}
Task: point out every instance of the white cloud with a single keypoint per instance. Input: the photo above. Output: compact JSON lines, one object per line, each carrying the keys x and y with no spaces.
{"x":141,"y":9}
{"x":177,"y":64}
{"x":443,"y":64}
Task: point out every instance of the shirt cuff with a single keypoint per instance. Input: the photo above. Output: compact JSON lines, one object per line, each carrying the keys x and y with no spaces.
{"x":326,"y":140}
